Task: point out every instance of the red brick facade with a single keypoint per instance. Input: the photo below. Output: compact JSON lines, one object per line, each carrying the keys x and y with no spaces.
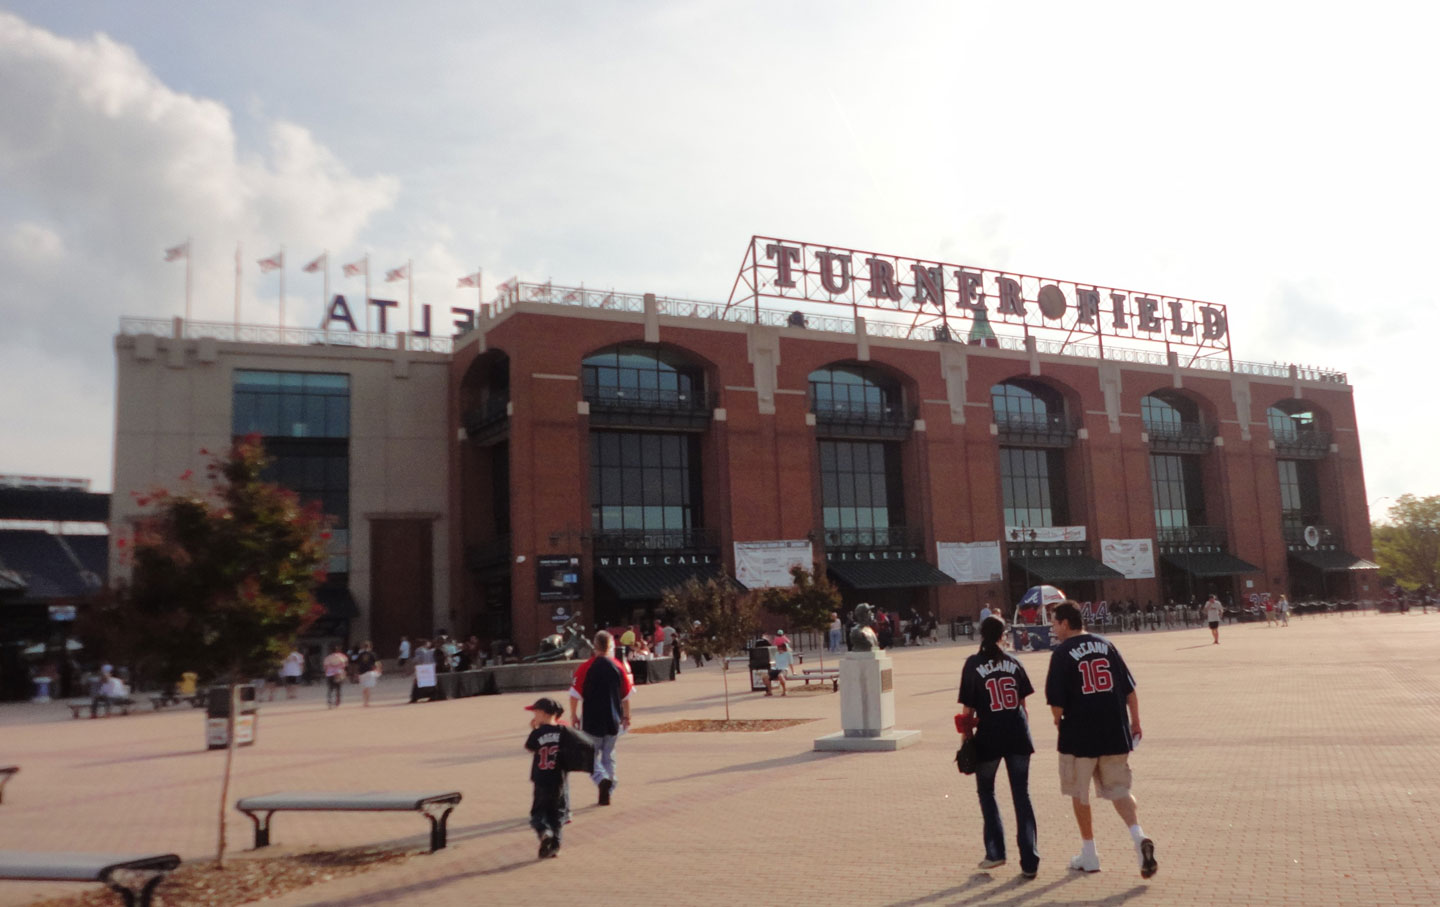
{"x":760,"y":472}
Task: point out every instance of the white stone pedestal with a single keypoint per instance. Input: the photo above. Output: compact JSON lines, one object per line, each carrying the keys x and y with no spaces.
{"x":867,"y":707}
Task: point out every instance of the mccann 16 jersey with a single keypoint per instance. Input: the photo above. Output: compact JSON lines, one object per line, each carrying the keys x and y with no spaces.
{"x":1089,"y":680}
{"x":996,"y":690}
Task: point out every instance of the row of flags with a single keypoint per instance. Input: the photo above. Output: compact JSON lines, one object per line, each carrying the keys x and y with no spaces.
{"x":359,"y":268}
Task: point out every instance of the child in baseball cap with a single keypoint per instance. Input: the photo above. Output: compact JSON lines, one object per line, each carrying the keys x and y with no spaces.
{"x":547,"y":807}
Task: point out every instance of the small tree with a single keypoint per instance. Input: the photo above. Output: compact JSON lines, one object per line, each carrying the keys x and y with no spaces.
{"x":721,"y":619}
{"x":222,"y":583}
{"x":805,"y":605}
{"x":1407,"y":545}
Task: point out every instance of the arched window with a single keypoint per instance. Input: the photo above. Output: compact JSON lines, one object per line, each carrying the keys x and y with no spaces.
{"x":853,"y":391}
{"x":1289,"y":419}
{"x":1028,"y":405}
{"x":1163,"y":411}
{"x":642,"y":375}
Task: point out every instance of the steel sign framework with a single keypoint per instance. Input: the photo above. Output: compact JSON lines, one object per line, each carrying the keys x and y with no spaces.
{"x":931,"y":299}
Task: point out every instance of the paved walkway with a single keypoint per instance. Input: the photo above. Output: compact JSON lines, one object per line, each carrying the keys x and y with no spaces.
{"x":1284,"y":766}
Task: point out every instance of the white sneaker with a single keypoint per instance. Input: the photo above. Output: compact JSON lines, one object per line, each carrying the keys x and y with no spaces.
{"x":1080,"y":864}
{"x":991,"y":864}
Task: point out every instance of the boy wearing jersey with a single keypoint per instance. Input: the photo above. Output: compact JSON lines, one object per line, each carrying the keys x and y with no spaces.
{"x":548,"y":806}
{"x":993,"y":687}
{"x":1089,"y":690}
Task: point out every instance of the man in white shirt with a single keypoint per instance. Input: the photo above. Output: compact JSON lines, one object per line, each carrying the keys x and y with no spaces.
{"x":291,"y":671}
{"x":1213,"y":611}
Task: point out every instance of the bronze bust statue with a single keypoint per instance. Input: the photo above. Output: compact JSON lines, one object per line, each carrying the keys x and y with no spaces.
{"x":862,"y":638}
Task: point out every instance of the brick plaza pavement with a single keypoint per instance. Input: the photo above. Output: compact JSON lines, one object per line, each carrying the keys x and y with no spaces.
{"x":1284,"y":766}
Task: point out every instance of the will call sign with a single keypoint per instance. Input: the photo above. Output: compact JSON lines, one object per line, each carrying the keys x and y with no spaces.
{"x":894,"y":285}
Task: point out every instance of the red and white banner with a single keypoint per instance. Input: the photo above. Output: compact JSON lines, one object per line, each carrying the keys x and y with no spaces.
{"x":358,"y":269}
{"x":177,"y":252}
{"x":399,"y":273}
{"x":273,"y":263}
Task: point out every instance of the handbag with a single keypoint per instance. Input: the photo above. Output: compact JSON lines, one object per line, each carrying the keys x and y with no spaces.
{"x":967,"y":757}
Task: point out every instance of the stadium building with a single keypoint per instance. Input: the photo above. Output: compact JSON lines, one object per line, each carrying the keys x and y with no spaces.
{"x":936,"y":436}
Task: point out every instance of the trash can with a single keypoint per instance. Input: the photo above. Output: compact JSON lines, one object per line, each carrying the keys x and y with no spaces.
{"x":762,"y":660}
{"x":217,"y":715}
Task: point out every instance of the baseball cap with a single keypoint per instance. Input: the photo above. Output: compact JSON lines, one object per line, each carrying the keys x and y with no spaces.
{"x":547,"y":705}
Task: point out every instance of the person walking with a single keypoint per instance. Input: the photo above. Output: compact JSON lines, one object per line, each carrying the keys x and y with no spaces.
{"x":1089,"y":690}
{"x":1284,"y":609}
{"x":993,"y":688}
{"x":548,"y":804}
{"x":291,"y":670}
{"x":335,"y":665}
{"x":403,"y":656}
{"x":367,"y":668}
{"x":1213,"y":611}
{"x":604,"y":686}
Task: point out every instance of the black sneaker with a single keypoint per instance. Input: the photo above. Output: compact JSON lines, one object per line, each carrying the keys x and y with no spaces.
{"x":1147,"y":858}
{"x":605,"y":791}
{"x":548,"y":845}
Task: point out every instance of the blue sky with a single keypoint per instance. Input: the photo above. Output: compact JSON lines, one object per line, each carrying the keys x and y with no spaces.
{"x":1270,"y":157}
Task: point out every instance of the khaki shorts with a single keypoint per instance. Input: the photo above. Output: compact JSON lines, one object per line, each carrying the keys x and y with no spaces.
{"x":1111,"y":773}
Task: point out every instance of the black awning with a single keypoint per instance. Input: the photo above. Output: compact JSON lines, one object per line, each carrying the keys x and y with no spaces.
{"x":1333,"y":561}
{"x":1065,"y":568}
{"x":886,"y":574}
{"x":643,"y":584}
{"x":10,"y":581}
{"x":1211,"y":563}
{"x":339,"y":604}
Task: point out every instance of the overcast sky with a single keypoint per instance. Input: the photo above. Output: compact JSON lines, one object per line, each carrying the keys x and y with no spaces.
{"x":1276,"y":158}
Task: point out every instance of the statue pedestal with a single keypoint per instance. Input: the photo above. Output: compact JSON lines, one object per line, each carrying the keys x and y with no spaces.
{"x":867,"y":707}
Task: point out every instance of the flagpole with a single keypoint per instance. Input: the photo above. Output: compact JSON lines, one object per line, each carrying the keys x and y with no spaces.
{"x":238,"y":248}
{"x":189,"y":257}
{"x":367,"y":292}
{"x":410,"y":301}
{"x":282,"y":294}
{"x":479,"y":292}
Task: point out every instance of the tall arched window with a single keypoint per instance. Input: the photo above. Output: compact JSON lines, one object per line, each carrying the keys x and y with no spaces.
{"x":859,"y":420}
{"x":641,"y":375}
{"x":1034,"y":433}
{"x":853,"y":391}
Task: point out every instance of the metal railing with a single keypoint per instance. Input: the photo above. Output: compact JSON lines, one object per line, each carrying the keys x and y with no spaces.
{"x":896,"y":537}
{"x":1309,"y":444}
{"x":1192,"y":537}
{"x":1181,"y":437}
{"x":290,"y":336}
{"x":613,"y":540}
{"x":1052,"y":430}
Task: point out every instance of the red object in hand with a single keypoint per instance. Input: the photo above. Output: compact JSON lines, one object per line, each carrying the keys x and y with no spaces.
{"x":965,"y":724}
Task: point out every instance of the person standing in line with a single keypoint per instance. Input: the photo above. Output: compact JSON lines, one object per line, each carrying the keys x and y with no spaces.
{"x":672,"y":644}
{"x":367,"y":667}
{"x":604,"y":686}
{"x":1089,"y":690}
{"x":993,"y":688}
{"x":403,"y":659}
{"x":290,"y":671}
{"x":548,"y":806}
{"x":335,"y":666}
{"x":1284,"y":608}
{"x":1213,"y":611}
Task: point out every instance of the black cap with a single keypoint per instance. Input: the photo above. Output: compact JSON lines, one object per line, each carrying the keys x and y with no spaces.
{"x":547,"y":705}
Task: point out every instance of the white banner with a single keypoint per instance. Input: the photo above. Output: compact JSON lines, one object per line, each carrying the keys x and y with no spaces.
{"x":1133,"y":557}
{"x":969,"y":562}
{"x":424,"y":676}
{"x":759,"y":565}
{"x":1045,"y":533}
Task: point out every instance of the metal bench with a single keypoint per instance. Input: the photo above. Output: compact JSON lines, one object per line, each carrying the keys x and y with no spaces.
{"x":436,"y":805}
{"x":6,"y":773}
{"x":818,"y":675}
{"x":124,"y":705}
{"x":133,"y":876}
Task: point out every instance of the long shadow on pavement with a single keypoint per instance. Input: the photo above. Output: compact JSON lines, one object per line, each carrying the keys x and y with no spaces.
{"x":760,"y":766}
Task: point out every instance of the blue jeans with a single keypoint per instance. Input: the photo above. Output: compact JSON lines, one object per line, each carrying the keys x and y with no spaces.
{"x":834,"y":640}
{"x":605,"y":759}
{"x":1017,"y":766}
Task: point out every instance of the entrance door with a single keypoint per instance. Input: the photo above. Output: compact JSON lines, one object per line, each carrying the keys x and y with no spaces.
{"x":402,"y":582}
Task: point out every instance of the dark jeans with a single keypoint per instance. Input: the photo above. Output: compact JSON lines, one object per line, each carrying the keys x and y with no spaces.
{"x":548,"y":809}
{"x":1018,"y":768}
{"x":333,"y":687}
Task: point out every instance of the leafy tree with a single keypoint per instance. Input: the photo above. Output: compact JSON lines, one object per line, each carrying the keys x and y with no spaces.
{"x":805,"y":605}
{"x":222,"y":582}
{"x":1407,"y":545}
{"x":727,"y":618}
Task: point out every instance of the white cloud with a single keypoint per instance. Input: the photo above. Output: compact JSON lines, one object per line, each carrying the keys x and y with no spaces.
{"x":103,"y":167}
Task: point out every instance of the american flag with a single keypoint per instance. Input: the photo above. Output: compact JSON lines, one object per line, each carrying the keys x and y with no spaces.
{"x":358,"y":269}
{"x":399,"y":273}
{"x":469,"y":280}
{"x":177,"y":252}
{"x":317,"y":264}
{"x":273,"y":263}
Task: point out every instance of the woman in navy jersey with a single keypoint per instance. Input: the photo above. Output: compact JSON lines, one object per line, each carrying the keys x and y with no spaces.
{"x":993,"y":687}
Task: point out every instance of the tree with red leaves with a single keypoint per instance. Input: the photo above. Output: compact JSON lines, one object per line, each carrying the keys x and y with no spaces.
{"x":222,"y":582}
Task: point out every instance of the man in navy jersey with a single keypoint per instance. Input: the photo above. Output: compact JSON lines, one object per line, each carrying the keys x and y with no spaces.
{"x":604,"y":685}
{"x":1089,"y":690}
